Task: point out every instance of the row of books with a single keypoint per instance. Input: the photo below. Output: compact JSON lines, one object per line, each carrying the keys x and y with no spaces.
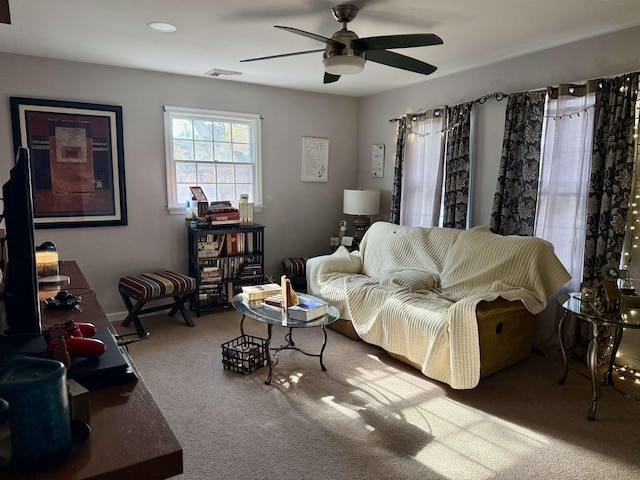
{"x":224,"y":212}
{"x":229,"y":268}
{"x":270,"y":295}
{"x":218,"y":293}
{"x":214,"y":245}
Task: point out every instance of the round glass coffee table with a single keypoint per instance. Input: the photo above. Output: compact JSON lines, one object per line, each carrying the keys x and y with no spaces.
{"x":274,"y":316}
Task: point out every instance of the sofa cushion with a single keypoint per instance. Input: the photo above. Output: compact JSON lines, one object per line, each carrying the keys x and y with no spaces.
{"x":413,"y":280}
{"x":519,"y":268}
{"x":388,"y":248}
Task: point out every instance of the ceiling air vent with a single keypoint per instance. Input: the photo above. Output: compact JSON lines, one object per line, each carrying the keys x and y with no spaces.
{"x":218,"y":72}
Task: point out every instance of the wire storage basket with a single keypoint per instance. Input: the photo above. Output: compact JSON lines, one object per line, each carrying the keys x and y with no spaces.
{"x":244,"y":354}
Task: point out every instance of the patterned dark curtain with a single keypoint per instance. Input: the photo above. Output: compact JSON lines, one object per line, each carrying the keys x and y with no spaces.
{"x":456,"y":185}
{"x":611,"y":174}
{"x":396,"y":194}
{"x":514,"y":204}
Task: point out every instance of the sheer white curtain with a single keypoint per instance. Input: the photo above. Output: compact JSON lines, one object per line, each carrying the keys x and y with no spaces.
{"x":564,"y":176}
{"x":422,"y":170}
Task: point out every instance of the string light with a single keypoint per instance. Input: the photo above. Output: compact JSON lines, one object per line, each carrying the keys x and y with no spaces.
{"x":422,"y":135}
{"x":634,"y":213}
{"x":570,"y":115}
{"x":498,"y":96}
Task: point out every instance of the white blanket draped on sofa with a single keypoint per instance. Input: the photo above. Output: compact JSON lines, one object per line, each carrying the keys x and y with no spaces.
{"x":413,"y":291}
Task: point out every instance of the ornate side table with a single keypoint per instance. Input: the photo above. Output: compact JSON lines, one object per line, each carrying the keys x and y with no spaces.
{"x":586,"y":311}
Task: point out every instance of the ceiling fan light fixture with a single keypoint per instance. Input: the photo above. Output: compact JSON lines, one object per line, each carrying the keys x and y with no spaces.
{"x":344,"y":65}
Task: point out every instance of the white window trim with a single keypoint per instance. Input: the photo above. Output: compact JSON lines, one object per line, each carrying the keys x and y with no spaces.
{"x":253,"y":118}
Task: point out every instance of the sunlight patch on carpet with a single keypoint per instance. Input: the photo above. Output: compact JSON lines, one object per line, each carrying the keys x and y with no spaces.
{"x":472,"y":441}
{"x":450,"y":438}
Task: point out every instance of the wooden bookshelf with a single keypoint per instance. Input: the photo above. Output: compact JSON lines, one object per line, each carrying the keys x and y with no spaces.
{"x":222,"y":260}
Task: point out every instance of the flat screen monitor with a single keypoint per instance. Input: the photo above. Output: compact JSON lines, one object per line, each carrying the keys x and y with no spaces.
{"x":21,"y":302}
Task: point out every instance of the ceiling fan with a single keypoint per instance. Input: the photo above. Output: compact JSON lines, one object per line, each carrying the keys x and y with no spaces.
{"x":345,"y":53}
{"x":5,"y":17}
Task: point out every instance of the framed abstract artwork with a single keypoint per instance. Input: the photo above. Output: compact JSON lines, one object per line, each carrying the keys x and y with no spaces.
{"x":77,"y":161}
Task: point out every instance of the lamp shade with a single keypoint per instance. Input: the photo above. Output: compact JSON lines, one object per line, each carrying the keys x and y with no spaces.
{"x":361,"y":202}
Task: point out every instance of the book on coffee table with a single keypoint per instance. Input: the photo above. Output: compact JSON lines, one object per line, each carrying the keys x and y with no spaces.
{"x":308,"y":310}
{"x":260,"y":292}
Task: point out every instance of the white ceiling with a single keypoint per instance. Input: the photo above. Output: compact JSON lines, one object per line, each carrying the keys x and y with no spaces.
{"x":218,"y":33}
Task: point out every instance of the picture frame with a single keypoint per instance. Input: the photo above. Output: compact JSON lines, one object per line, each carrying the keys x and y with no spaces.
{"x":198,"y":193}
{"x":315,"y":159}
{"x":77,"y":161}
{"x":377,"y":161}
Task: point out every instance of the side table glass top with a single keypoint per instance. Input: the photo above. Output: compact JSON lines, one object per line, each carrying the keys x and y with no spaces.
{"x":627,"y":317}
{"x":273,"y":315}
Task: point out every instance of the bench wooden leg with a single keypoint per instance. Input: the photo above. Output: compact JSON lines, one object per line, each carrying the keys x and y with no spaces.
{"x":136,"y":310}
{"x":178,"y":306}
{"x":133,"y":314}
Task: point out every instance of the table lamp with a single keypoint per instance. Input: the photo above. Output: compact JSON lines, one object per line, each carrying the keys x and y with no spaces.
{"x":47,"y":260}
{"x":361,"y":203}
{"x":48,"y":267}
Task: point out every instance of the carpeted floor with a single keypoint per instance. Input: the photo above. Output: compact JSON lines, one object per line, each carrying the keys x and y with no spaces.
{"x":372,"y":417}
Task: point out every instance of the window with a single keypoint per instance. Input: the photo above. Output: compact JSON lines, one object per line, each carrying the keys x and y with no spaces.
{"x":564,"y":177}
{"x":423,"y":170}
{"x":218,"y":151}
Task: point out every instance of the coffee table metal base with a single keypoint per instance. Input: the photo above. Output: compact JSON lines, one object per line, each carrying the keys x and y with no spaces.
{"x":290,"y":345}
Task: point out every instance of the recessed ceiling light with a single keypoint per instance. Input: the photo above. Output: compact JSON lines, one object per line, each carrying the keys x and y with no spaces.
{"x":162,"y":27}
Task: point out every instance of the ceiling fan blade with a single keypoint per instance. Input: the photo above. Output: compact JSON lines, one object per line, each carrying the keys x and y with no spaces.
{"x":5,"y":15}
{"x":313,"y":36}
{"x":330,"y":78}
{"x":282,"y":55}
{"x":397,"y":41}
{"x":400,"y":61}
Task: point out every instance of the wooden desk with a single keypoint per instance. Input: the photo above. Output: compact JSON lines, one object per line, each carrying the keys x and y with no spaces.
{"x":130,"y":437}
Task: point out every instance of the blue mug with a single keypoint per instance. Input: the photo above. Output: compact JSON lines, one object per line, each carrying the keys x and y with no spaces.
{"x":33,"y":392}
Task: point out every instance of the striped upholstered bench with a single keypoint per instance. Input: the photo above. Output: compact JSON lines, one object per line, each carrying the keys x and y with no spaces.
{"x":295,"y":269}
{"x":148,"y":287}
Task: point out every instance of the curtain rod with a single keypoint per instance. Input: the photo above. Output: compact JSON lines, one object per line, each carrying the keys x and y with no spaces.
{"x":499,"y":96}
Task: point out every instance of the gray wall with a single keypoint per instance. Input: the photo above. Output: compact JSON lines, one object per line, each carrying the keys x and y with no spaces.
{"x":606,"y":55}
{"x":299,"y":217}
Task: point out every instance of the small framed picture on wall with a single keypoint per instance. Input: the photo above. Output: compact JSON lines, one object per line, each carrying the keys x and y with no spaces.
{"x":315,"y":159}
{"x":377,"y":161}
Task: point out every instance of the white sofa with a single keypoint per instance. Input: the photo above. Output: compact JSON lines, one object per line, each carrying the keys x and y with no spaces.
{"x":456,"y":304}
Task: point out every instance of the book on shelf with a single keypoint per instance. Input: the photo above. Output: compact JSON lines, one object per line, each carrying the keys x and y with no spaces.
{"x":232,"y":244}
{"x":208,"y":249}
{"x":250,"y":242}
{"x":219,"y":203}
{"x":229,"y":215}
{"x":210,"y":277}
{"x":308,"y":310}
{"x":252,"y":267}
{"x":260,"y":292}
{"x":221,"y":223}
{"x":222,"y":210}
{"x":246,"y":213}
